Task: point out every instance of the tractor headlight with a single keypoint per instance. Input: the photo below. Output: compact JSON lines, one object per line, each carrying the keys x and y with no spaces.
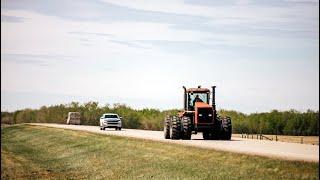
{"x":209,"y":115}
{"x":200,"y":115}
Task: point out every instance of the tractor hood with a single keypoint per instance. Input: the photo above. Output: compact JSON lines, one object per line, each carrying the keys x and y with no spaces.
{"x":203,"y":114}
{"x":202,"y":105}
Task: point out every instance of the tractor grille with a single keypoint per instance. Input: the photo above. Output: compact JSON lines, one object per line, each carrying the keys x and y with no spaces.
{"x":205,"y":115}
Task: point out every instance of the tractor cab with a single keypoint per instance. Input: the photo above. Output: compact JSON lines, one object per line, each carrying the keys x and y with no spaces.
{"x":194,"y":95}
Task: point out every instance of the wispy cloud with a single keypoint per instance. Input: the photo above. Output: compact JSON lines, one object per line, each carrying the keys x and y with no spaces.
{"x":90,"y":33}
{"x":129,"y":44}
{"x":33,"y":59}
{"x":299,"y":16}
{"x":12,"y":19}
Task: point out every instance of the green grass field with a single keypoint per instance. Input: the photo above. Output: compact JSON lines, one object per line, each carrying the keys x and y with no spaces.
{"x":33,"y":152}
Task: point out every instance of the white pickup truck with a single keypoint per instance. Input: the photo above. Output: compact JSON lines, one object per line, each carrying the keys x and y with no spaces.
{"x":110,"y":120}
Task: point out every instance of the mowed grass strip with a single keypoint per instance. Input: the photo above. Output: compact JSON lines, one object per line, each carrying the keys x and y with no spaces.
{"x":314,"y":140}
{"x":32,"y":152}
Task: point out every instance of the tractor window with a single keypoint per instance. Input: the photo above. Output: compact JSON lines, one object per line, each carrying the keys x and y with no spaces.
{"x":202,"y":96}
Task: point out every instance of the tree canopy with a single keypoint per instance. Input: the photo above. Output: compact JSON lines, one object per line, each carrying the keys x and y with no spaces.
{"x":289,"y":122}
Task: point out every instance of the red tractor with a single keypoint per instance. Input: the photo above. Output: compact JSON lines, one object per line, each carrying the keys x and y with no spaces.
{"x":198,"y":116}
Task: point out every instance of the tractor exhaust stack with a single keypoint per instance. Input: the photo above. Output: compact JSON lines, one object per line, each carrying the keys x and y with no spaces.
{"x":213,"y":97}
{"x":184,"y":98}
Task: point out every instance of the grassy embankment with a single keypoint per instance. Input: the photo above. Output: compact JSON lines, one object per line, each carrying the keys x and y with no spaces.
{"x":41,"y":152}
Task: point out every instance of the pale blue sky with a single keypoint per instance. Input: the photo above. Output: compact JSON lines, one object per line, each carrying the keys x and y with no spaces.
{"x":261,"y":55}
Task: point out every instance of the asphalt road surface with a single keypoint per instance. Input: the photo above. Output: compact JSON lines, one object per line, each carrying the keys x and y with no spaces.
{"x":281,"y":150}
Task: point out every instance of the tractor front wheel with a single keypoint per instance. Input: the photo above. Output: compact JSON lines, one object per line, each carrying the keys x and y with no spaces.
{"x":186,"y":127}
{"x":166,"y":127}
{"x":175,"y":127}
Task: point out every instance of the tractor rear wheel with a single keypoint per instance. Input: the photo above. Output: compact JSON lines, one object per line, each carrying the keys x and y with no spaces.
{"x":186,"y":127}
{"x":226,"y":128}
{"x":166,"y":127}
{"x":175,"y":127}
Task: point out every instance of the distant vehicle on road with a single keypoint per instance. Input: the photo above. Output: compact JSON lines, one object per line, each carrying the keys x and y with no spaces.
{"x":110,"y":120}
{"x":73,"y":118}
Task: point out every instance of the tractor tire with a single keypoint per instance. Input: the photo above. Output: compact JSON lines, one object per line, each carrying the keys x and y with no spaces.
{"x":215,"y":135}
{"x":186,"y":128}
{"x":226,"y":128}
{"x":210,"y":135}
{"x":206,"y":135}
{"x":175,"y":127}
{"x":217,"y":132}
{"x":166,"y":127}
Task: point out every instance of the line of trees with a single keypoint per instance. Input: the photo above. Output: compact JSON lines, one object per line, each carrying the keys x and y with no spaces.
{"x":290,"y":122}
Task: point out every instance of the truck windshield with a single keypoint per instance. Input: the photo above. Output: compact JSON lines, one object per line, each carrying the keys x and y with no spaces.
{"x":110,"y":116}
